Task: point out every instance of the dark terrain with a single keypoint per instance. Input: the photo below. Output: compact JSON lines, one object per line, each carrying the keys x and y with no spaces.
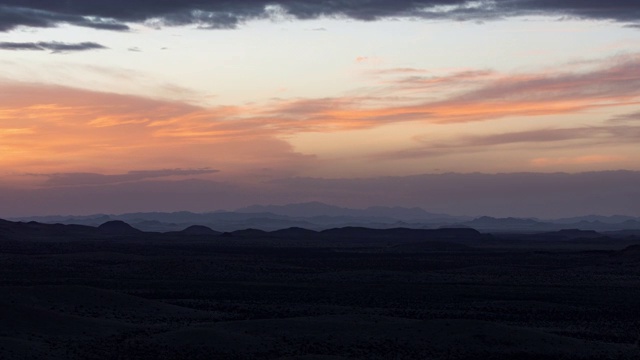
{"x":114,"y":292}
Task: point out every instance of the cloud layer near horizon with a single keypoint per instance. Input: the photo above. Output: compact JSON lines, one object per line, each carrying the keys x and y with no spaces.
{"x":517,"y":194}
{"x":114,"y":15}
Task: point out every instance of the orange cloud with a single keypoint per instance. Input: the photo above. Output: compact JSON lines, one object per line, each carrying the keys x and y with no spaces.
{"x":54,"y":129}
{"x":466,"y":96}
{"x":45,"y":129}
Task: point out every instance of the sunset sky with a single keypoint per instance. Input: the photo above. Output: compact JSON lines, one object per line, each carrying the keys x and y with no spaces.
{"x":101,"y":97}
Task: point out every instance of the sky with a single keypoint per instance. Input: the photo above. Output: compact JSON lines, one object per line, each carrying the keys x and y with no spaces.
{"x":444,"y":104}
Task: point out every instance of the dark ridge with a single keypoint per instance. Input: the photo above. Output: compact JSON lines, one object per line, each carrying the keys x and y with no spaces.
{"x":624,"y":233}
{"x":431,"y":246}
{"x":199,"y":230}
{"x":117,"y":227}
{"x":294,"y":232}
{"x":405,"y":233}
{"x":577,"y":234}
{"x":250,"y":233}
{"x":35,"y":231}
{"x":564,"y":235}
{"x":632,"y":251}
{"x":488,"y":222}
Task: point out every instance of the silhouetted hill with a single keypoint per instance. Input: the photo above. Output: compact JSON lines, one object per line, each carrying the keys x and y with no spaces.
{"x":614,"y":219}
{"x":117,"y":227}
{"x":577,"y":234}
{"x":250,"y":233}
{"x":360,"y":234}
{"x":294,"y":232}
{"x":199,"y":230}
{"x":431,"y":246}
{"x":605,"y":226}
{"x":43,"y":232}
{"x":406,"y":238}
{"x":488,"y":223}
{"x":319,"y":216}
{"x":631,"y":252}
{"x":624,"y":233}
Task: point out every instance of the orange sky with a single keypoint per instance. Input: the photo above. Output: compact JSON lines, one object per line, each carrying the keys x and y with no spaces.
{"x":329,"y":98}
{"x":54,"y":129}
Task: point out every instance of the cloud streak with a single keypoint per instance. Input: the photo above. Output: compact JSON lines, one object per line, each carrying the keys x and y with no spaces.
{"x":467,"y":97}
{"x":115,"y":14}
{"x":575,"y":137}
{"x":54,"y":46}
{"x":80,"y":179}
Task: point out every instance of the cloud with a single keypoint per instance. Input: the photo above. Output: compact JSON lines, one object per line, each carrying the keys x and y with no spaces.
{"x":396,"y":71}
{"x":576,"y":137}
{"x":79,"y":179}
{"x":216,"y":14}
{"x":631,"y":118}
{"x":54,"y":46}
{"x":467,"y":97}
{"x":543,"y":195}
{"x":50,"y":14}
{"x":576,"y":160}
{"x":54,"y":129}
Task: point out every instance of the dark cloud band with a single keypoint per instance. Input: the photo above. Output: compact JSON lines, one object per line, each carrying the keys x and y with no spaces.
{"x":57,"y":47}
{"x":115,"y":14}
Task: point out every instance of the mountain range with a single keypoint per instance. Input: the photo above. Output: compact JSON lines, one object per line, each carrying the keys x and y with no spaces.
{"x":319,"y":216}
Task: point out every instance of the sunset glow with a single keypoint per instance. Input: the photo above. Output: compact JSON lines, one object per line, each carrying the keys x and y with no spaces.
{"x":284,"y":95}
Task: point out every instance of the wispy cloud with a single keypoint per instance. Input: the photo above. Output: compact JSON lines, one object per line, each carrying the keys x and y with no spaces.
{"x":626,"y":118}
{"x":77,"y":179}
{"x":478,"y":96}
{"x":54,"y":46}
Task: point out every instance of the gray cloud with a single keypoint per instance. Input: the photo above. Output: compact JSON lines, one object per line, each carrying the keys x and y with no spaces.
{"x":114,"y":14}
{"x":626,"y":118}
{"x":81,"y":179}
{"x":54,"y":46}
{"x":25,"y":13}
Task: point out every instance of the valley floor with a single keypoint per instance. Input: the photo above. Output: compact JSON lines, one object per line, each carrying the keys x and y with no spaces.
{"x":183,"y":300}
